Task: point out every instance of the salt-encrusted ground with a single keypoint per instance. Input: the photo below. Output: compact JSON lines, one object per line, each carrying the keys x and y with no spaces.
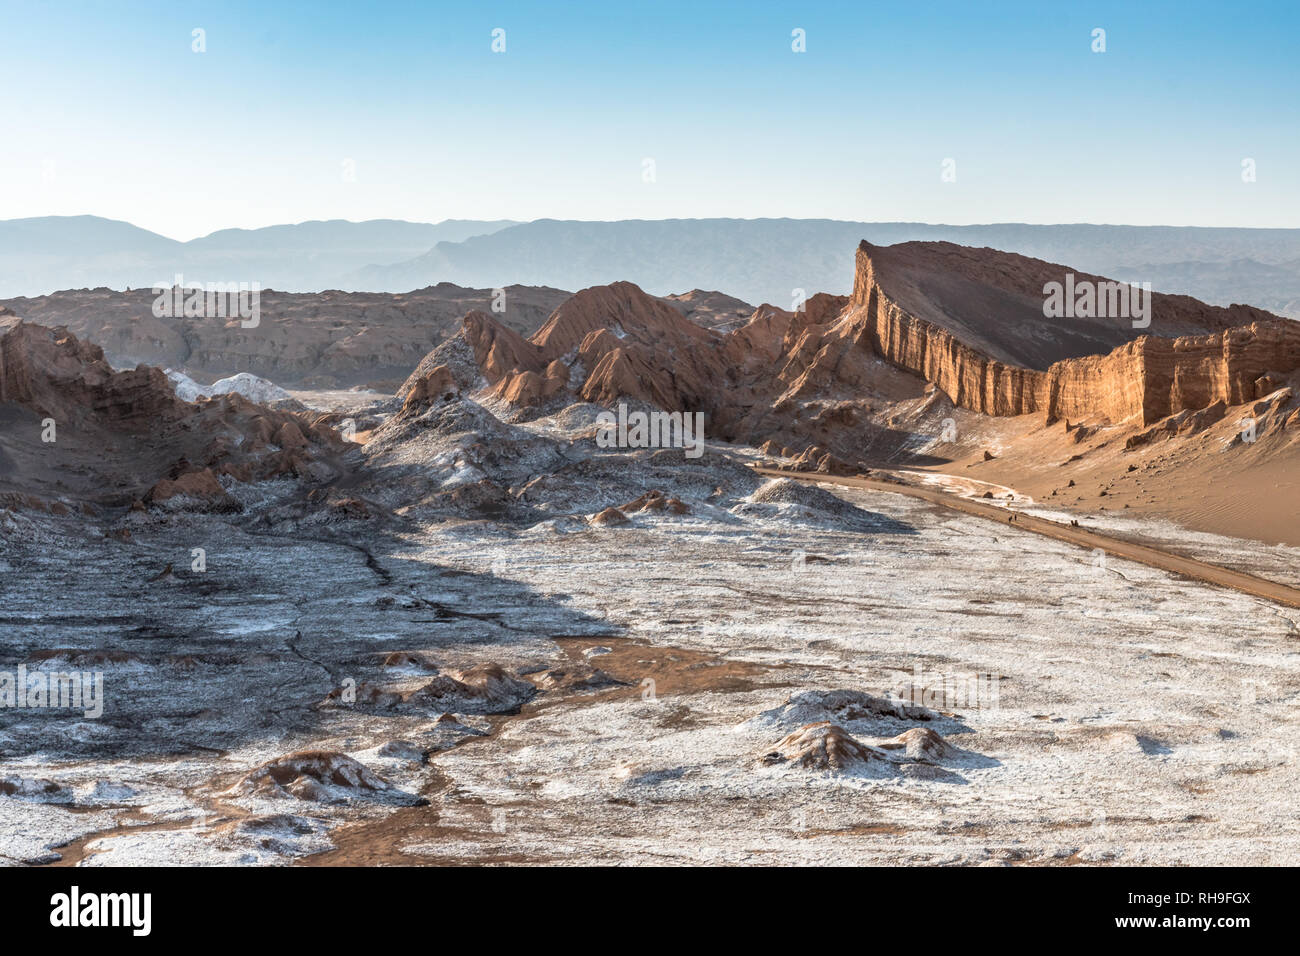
{"x":1138,"y":718}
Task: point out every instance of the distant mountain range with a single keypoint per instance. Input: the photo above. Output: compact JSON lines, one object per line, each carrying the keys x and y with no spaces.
{"x":758,"y":260}
{"x":39,"y":256}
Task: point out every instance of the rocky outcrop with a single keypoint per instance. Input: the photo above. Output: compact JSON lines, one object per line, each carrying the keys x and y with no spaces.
{"x":609,"y":518}
{"x":323,"y":339}
{"x":921,"y":743}
{"x":436,"y":384}
{"x":655,"y":501}
{"x":58,"y":376}
{"x":321,"y":776}
{"x":195,"y":491}
{"x":109,"y":437}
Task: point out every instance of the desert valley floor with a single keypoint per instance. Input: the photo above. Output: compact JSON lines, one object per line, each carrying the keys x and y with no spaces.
{"x":622,"y":691}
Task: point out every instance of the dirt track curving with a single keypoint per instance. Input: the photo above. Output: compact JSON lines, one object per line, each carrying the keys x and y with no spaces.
{"x":1083,"y":537}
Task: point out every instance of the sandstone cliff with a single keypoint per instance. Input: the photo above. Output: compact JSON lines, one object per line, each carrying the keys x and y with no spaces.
{"x":1146,"y":378}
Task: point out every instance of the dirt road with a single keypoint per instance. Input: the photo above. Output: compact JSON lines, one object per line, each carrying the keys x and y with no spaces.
{"x":1083,"y":537}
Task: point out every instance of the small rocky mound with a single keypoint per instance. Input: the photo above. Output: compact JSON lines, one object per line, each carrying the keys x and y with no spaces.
{"x":403,"y":750}
{"x":483,"y":689}
{"x":787,"y":498}
{"x":576,"y":678}
{"x":280,"y":833}
{"x":921,"y":743}
{"x":35,"y":790}
{"x":344,"y":509}
{"x":448,"y":731}
{"x":322,"y":776}
{"x":825,"y":746}
{"x":193,"y":491}
{"x":609,"y":518}
{"x":655,"y":501}
{"x":842,"y":707}
{"x":818,"y":459}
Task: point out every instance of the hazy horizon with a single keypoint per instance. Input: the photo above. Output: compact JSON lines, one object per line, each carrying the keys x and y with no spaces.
{"x":519,"y":222}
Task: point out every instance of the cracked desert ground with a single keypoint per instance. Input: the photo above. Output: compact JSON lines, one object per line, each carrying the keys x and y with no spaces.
{"x":1137,"y":717}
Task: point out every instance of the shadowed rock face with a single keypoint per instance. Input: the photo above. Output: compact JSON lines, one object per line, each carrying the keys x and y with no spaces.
{"x":56,"y":375}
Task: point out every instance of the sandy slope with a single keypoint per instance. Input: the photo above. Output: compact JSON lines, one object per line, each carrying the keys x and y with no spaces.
{"x":1077,"y":535}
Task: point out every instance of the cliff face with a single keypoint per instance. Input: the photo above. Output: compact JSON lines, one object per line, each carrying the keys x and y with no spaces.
{"x":994,"y":301}
{"x":1232,"y":366}
{"x":970,"y":377}
{"x":1146,"y":378}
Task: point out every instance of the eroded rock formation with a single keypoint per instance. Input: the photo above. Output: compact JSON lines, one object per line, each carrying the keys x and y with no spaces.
{"x":922,"y":305}
{"x":80,"y":431}
{"x":927,"y":324}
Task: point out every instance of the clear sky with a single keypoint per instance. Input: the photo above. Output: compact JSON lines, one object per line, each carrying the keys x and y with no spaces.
{"x":105,"y":109}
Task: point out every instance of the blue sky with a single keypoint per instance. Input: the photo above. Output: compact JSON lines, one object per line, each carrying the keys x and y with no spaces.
{"x":105,"y":109}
